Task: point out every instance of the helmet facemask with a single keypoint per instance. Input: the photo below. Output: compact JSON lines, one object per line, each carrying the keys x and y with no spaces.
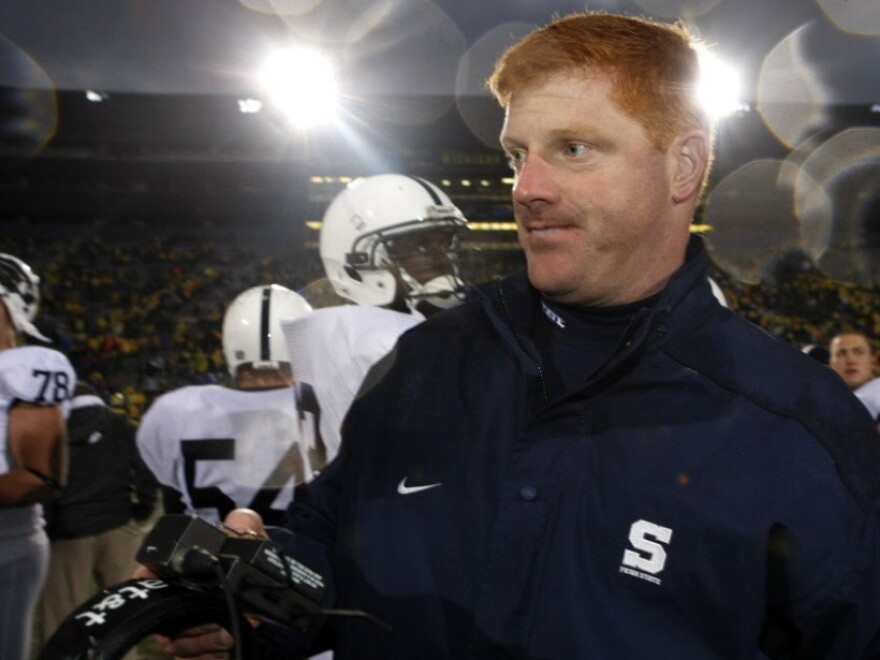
{"x":358,"y":252}
{"x":20,"y":293}
{"x":420,"y":257}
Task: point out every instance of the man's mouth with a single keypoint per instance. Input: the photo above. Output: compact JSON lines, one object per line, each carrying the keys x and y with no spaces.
{"x":539,"y":228}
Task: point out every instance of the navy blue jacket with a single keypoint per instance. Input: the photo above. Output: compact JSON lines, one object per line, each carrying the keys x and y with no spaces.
{"x":710,"y":492}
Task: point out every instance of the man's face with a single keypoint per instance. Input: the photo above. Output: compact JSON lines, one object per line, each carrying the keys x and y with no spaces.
{"x":423,"y":254}
{"x":593,"y":198}
{"x":424,"y":268}
{"x":852,"y":358}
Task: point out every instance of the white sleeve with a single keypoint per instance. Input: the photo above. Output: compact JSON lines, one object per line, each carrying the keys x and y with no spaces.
{"x":156,"y":441}
{"x":39,"y":375}
{"x":333,"y":348}
{"x":869,"y":394}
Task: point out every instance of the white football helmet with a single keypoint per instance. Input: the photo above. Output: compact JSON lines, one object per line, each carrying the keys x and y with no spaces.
{"x":20,"y":292}
{"x":252,"y":332}
{"x":375,"y":224}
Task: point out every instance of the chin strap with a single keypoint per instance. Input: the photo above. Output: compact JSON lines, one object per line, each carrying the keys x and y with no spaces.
{"x":441,"y":292}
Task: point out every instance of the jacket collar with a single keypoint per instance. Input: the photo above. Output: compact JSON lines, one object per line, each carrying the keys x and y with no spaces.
{"x":518,"y":301}
{"x":513,"y":306}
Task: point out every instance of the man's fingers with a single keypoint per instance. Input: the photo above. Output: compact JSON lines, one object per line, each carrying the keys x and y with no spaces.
{"x":199,"y":631}
{"x":143,"y":573}
{"x":245,"y":521}
{"x":199,"y":641}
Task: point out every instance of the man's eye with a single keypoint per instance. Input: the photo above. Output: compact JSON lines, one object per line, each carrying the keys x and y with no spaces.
{"x":576,"y":149}
{"x":516,"y":158}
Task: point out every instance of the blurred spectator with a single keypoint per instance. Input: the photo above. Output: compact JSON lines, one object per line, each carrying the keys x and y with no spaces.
{"x":95,"y":525}
{"x":855,"y":359}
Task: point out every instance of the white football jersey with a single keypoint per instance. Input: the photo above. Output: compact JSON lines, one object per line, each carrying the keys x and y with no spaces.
{"x":224,"y":448}
{"x":869,"y":393}
{"x":32,"y":374}
{"x":332,"y":349}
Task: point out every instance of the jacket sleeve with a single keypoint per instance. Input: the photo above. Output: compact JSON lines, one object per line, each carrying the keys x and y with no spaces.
{"x":823,"y":581}
{"x":840,"y":623}
{"x":309,"y":536}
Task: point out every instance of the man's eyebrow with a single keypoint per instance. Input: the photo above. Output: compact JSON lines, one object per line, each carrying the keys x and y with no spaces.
{"x":576,"y":133}
{"x":508,"y":141}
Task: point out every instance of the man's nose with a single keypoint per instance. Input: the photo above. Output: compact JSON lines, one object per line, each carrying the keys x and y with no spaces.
{"x":534,"y":182}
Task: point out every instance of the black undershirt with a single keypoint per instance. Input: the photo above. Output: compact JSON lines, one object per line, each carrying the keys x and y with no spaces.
{"x":575,"y":341}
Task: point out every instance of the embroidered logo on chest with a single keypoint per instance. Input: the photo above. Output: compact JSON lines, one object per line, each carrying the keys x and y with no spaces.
{"x":555,"y":319}
{"x":646,"y":558}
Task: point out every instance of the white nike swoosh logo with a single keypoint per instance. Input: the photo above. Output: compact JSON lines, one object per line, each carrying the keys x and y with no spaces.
{"x":403,"y":489}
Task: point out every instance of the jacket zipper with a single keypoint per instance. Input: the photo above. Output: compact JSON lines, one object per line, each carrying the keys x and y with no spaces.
{"x":545,"y":395}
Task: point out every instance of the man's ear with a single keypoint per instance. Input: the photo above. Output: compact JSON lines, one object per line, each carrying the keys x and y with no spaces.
{"x":690,"y":152}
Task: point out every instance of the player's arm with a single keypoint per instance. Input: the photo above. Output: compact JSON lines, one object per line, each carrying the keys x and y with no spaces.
{"x":158,"y":449}
{"x":37,"y":437}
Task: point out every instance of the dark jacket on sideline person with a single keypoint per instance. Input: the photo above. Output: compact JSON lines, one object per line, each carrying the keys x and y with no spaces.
{"x":108,"y":482}
{"x":709,"y":492}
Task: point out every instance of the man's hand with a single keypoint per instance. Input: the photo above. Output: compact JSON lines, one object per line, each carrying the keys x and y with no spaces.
{"x":246,"y":522}
{"x":210,"y":641}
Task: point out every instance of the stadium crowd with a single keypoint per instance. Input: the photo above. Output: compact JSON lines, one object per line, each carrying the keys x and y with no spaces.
{"x":805,"y":307}
{"x":139,"y":319}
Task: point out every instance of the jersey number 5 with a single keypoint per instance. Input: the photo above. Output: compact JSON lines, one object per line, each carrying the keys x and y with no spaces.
{"x":289,"y":468}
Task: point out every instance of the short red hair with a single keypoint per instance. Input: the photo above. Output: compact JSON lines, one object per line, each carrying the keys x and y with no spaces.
{"x":653,"y":66}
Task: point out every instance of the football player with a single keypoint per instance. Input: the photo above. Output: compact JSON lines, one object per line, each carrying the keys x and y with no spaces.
{"x":36,"y":385}
{"x":390,"y":244}
{"x":215,"y":448}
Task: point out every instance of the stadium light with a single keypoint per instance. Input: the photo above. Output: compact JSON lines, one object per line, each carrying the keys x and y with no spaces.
{"x":249,"y":106}
{"x":719,"y":88}
{"x":302,"y":85}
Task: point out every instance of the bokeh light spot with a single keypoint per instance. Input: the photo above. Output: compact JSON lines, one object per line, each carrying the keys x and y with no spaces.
{"x":751,"y":212}
{"x":678,"y":8}
{"x":791,"y":98}
{"x":281,"y":7}
{"x":846,"y":169}
{"x":478,"y":108}
{"x":28,"y":106}
{"x":853,"y":16}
